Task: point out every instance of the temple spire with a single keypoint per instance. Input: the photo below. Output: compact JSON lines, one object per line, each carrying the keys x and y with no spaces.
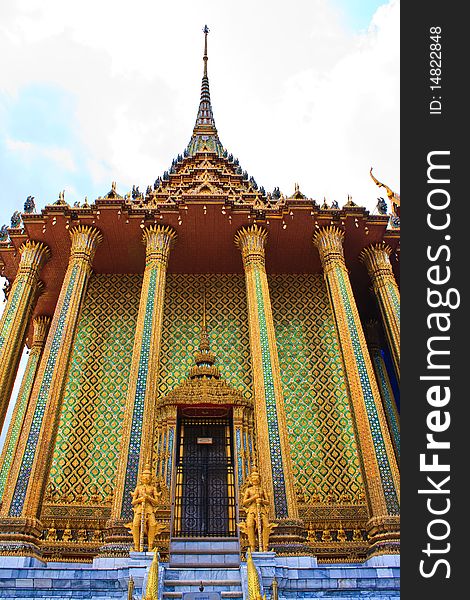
{"x":205,"y":58}
{"x":205,"y":137}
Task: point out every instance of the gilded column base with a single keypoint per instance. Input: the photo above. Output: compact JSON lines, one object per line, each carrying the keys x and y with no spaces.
{"x":384,"y":535}
{"x":20,"y":536}
{"x":289,"y":538}
{"x":117,"y":539}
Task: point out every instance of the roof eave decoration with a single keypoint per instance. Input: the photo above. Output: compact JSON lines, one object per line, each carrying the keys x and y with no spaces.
{"x":394,"y":200}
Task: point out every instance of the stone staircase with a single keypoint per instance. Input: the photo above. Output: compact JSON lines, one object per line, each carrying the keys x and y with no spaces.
{"x":213,"y":563}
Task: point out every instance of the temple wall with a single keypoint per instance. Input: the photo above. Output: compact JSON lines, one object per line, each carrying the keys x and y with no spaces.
{"x":227,"y":326}
{"x":324,"y":452}
{"x":87,"y":446}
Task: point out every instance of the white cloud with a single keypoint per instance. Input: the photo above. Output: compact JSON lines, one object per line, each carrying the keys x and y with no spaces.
{"x":297,"y":95}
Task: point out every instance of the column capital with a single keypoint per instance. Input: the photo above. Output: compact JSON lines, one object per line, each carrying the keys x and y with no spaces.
{"x":85,"y":240}
{"x":33,"y":256}
{"x":251,"y":241}
{"x":376,"y":258}
{"x":329,"y":241}
{"x":40,"y":328}
{"x":158,"y":240}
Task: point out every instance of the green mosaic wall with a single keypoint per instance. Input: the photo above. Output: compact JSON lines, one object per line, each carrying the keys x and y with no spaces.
{"x":87,"y":445}
{"x":319,"y":422}
{"x":227,"y":326}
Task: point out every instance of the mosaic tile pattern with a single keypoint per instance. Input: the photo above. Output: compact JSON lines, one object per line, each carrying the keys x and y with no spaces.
{"x":325,"y":455}
{"x":135,"y":439}
{"x":387,"y":396}
{"x":88,"y":439}
{"x":279,"y":486}
{"x":395,"y":300}
{"x":321,"y":434}
{"x":10,"y":312}
{"x":227,"y":326}
{"x":33,"y":437}
{"x":374,"y":422}
{"x":239,"y":457}
{"x":22,"y":402}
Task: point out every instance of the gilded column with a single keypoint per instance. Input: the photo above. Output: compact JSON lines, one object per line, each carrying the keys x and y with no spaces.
{"x":386,"y":390}
{"x":380,"y":470}
{"x":24,"y":292}
{"x":40,"y":329}
{"x":272,"y":444}
{"x":244,"y":427}
{"x":377,"y":261}
{"x":30,"y":469}
{"x":138,"y":428}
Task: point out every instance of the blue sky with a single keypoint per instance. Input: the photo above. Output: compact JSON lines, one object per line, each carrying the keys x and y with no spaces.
{"x":37,"y":129}
{"x":358,"y":12}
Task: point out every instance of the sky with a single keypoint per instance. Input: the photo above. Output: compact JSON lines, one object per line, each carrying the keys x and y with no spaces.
{"x":305,"y":92}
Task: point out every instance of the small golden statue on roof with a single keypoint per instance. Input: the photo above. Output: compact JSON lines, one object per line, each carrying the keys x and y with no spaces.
{"x":392,"y":196}
{"x":145,"y":499}
{"x":61,"y":199}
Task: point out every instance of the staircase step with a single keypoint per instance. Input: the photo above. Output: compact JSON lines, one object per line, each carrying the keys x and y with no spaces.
{"x":205,"y":582}
{"x":219,"y":540}
{"x":205,"y":551}
{"x":223,"y":594}
{"x":204,"y":546}
{"x":202,"y":573}
{"x":203,"y":565}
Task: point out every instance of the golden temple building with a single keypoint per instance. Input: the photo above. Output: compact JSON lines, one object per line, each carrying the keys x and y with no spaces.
{"x":198,"y":332}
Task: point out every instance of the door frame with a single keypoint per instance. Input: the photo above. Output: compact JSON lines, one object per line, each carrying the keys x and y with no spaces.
{"x":203,"y":412}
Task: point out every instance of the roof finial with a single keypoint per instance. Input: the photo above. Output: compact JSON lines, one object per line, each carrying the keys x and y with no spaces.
{"x":205,"y":58}
{"x":205,"y":138}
